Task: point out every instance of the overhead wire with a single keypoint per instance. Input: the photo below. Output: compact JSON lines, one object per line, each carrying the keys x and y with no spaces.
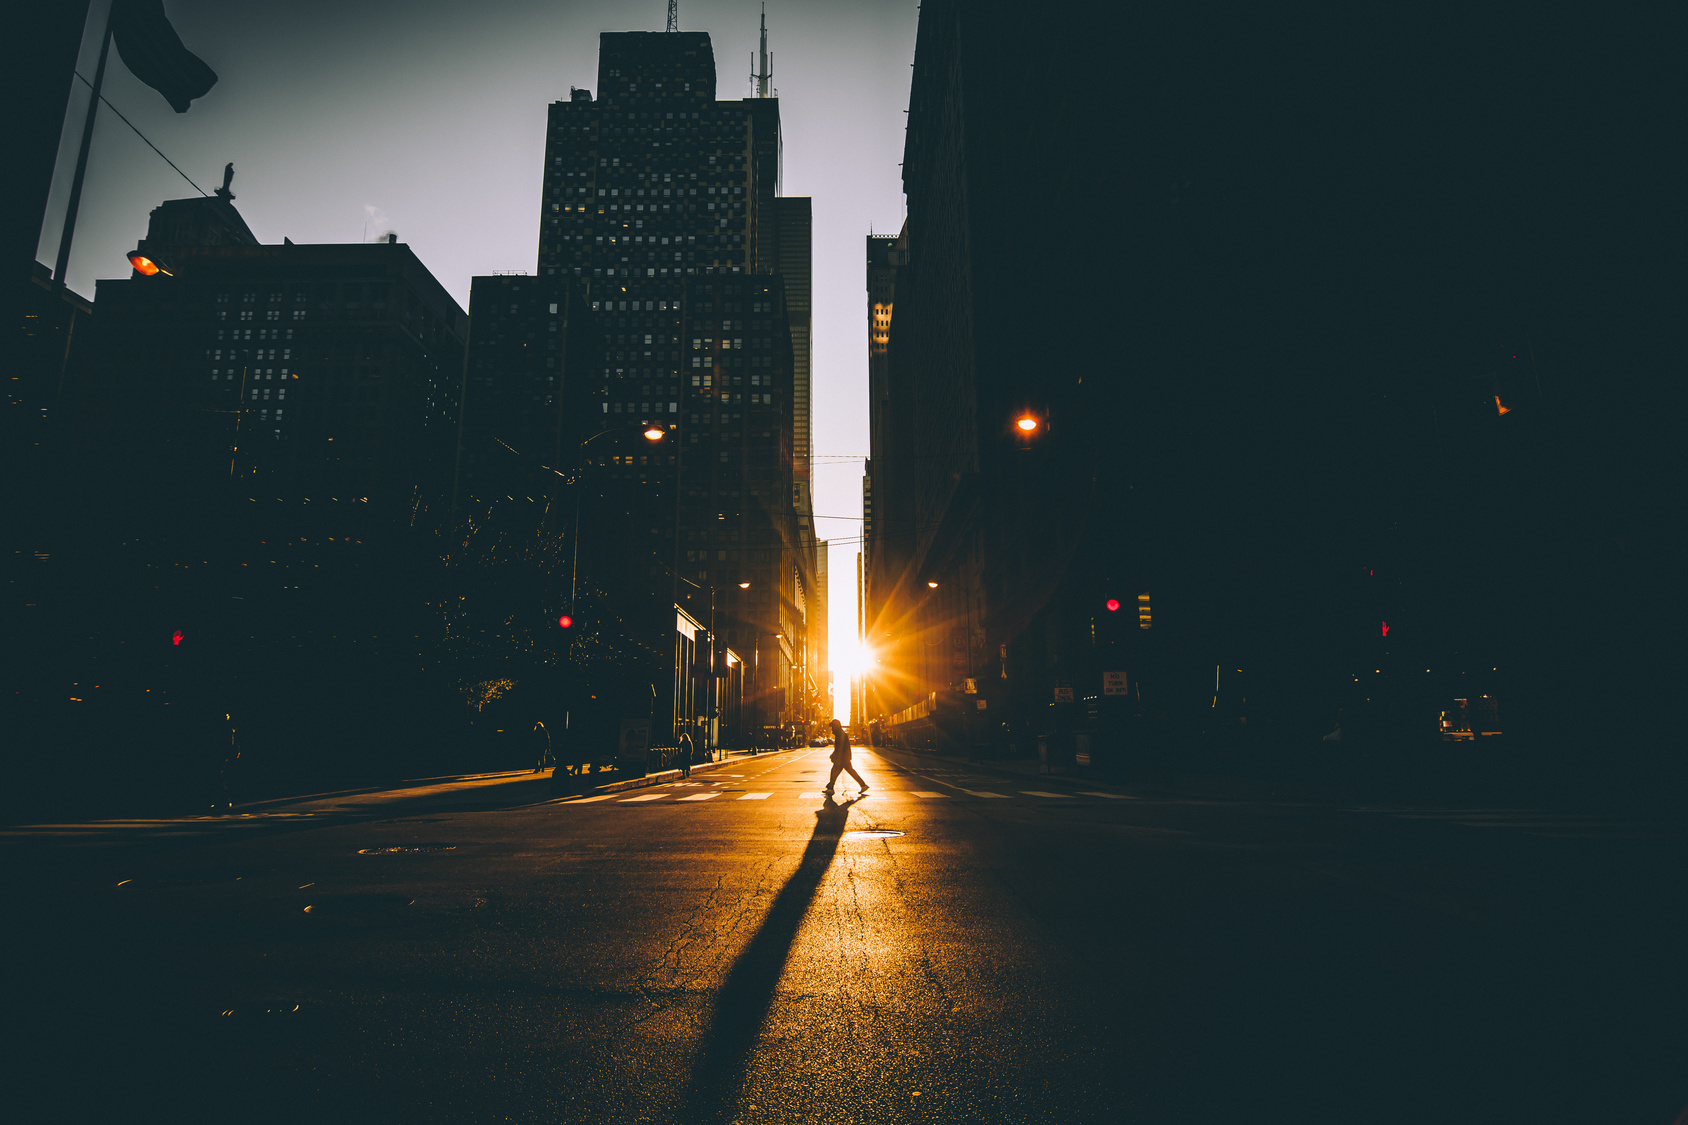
{"x":143,"y":137}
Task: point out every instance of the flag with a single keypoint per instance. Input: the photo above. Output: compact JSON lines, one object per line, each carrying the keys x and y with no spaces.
{"x":154,"y":53}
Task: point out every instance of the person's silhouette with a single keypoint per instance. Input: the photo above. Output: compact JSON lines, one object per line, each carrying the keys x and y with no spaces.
{"x":841,"y":758}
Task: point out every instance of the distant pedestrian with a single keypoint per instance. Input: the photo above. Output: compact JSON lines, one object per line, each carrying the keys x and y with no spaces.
{"x":543,"y":758}
{"x":841,"y":758}
{"x":683,"y":755}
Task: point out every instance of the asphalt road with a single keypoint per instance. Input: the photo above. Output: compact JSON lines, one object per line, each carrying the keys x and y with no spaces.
{"x":954,"y":947}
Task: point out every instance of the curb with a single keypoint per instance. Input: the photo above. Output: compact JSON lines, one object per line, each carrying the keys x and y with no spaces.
{"x":404,"y":783}
{"x":662,"y":778}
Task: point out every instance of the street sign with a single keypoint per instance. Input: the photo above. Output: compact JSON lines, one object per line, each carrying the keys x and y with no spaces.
{"x":970,"y":686}
{"x":1113,"y":683}
{"x":1063,"y":692}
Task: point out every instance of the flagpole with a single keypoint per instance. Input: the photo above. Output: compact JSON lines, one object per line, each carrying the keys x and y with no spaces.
{"x":63,"y":262}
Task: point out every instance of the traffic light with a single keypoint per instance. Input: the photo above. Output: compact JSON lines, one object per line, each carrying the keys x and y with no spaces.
{"x":1113,"y":605}
{"x":176,"y":639}
{"x":1144,"y":618}
{"x":565,"y":622}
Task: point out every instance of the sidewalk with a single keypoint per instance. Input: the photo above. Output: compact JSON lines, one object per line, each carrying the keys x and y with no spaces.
{"x":428,"y":786}
{"x":729,"y":757}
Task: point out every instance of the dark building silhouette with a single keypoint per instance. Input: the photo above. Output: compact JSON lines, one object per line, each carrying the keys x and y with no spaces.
{"x":532,"y":386}
{"x":624,"y":547}
{"x":661,"y":212}
{"x":34,"y":387}
{"x":293,"y":374}
{"x":251,"y":466}
{"x":1341,"y":370}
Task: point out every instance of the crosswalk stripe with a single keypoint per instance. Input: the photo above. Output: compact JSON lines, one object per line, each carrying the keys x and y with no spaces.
{"x":756,"y":796}
{"x":920,"y":793}
{"x":589,"y":800}
{"x":981,"y":793}
{"x":644,"y":797}
{"x":1112,"y":796}
{"x":701,"y":796}
{"x":1036,"y":793}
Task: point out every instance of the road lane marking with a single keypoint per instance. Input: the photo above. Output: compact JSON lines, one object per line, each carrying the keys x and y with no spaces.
{"x":919,"y":793}
{"x":589,"y":800}
{"x":1110,"y":796}
{"x":756,"y":796}
{"x":700,"y":797}
{"x":981,"y":793}
{"x":644,"y":797}
{"x":1036,"y":793}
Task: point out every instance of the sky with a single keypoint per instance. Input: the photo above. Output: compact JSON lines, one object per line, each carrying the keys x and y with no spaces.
{"x":427,"y":117}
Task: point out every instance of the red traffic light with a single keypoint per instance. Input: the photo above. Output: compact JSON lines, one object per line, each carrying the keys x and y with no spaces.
{"x":176,"y":637}
{"x":565,"y":621}
{"x":1113,"y":605}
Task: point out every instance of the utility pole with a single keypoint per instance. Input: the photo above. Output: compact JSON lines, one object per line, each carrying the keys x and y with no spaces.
{"x":62,"y":265}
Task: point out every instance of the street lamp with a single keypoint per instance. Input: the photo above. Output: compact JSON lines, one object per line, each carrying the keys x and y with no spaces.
{"x":146,"y":265}
{"x":1027,"y":424}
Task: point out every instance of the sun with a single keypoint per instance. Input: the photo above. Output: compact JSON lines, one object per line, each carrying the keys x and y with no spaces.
{"x":850,"y":660}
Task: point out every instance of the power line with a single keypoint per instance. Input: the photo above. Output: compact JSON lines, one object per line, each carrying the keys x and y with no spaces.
{"x":143,"y":137}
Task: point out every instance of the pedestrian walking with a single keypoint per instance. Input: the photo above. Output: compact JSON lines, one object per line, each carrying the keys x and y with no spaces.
{"x":841,"y":758}
{"x":683,"y":755}
{"x":543,"y":759}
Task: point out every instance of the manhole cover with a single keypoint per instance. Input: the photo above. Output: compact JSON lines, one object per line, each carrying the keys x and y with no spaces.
{"x":408,"y":849}
{"x":871,"y":833}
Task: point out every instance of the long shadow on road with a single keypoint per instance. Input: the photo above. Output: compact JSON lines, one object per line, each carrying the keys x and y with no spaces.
{"x":719,"y":1072}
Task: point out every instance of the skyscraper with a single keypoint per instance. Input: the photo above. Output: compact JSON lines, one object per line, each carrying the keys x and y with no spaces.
{"x":661,"y":212}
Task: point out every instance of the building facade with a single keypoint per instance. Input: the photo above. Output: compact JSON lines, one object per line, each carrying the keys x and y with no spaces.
{"x":661,"y":211}
{"x":257,"y":444}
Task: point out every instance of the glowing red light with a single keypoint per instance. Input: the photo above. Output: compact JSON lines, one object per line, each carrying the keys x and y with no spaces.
{"x":1113,"y":605}
{"x":176,"y":637}
{"x":1386,"y":628}
{"x":566,"y":621}
{"x":143,"y":264}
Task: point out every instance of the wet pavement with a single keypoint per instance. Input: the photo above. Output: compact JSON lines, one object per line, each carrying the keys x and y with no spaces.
{"x":955,"y":946}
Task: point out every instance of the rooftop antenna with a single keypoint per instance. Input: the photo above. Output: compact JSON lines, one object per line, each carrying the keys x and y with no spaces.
{"x":673,"y":15}
{"x":764,"y":77}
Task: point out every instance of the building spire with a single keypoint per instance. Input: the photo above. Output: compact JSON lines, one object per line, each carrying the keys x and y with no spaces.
{"x":764,"y":77}
{"x":673,"y":15}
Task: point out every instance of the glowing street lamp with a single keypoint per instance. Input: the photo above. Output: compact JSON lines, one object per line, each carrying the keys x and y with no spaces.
{"x":1026,"y":424}
{"x":145,"y":265}
{"x":655,"y":433}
